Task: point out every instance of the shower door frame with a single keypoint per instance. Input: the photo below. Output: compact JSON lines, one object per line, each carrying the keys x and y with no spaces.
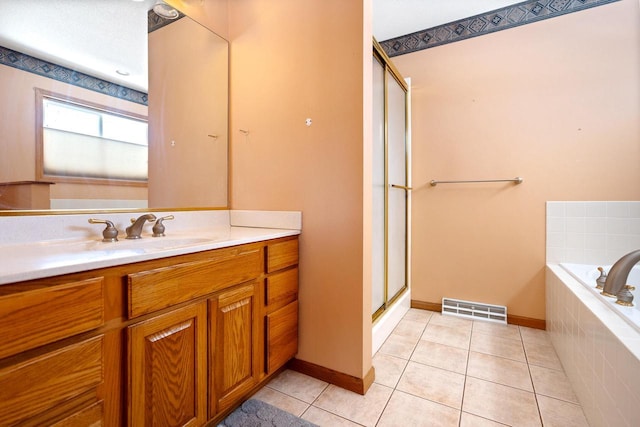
{"x":389,"y":70}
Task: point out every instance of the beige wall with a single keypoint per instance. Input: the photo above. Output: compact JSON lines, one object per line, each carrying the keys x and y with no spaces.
{"x":556,"y":102}
{"x":292,"y":60}
{"x":188,"y":101}
{"x":18,"y":137}
{"x":213,"y":14}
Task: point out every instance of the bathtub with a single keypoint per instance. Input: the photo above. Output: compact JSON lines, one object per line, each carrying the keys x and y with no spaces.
{"x":587,"y":275}
{"x":597,"y":342}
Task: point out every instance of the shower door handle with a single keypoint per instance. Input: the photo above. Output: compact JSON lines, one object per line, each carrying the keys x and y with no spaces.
{"x":403,"y":187}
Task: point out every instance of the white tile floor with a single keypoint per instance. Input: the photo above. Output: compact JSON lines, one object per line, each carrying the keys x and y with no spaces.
{"x":436,"y":370}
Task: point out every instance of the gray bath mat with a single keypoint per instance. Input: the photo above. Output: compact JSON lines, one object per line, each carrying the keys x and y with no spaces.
{"x":256,"y":413}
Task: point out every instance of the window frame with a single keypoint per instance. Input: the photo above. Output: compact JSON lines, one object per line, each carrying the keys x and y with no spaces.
{"x":41,"y":95}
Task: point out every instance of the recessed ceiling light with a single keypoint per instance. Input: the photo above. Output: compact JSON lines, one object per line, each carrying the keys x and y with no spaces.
{"x":165,"y":11}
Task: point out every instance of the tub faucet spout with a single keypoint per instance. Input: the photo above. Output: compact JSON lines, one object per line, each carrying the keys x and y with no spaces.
{"x":619,"y":273}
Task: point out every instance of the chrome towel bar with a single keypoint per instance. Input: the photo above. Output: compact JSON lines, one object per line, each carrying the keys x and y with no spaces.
{"x":517,"y":180}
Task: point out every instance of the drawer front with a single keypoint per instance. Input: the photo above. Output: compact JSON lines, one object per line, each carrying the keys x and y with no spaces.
{"x":282,"y":336}
{"x":41,"y":316}
{"x":282,"y":255}
{"x":282,"y":288}
{"x":163,"y":287}
{"x":88,"y":417}
{"x":38,"y":385}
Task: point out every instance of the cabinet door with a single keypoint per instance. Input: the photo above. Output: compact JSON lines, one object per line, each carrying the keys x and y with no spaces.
{"x":168,"y":368}
{"x":233,"y":346}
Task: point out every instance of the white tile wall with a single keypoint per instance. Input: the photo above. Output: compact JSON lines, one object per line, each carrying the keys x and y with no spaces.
{"x":604,"y":370}
{"x":591,"y":232}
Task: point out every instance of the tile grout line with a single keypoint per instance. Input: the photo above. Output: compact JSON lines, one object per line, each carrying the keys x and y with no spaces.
{"x":533,"y":385}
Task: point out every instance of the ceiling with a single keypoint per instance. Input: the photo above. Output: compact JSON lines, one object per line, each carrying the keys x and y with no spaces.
{"x":394,"y":18}
{"x":70,"y":32}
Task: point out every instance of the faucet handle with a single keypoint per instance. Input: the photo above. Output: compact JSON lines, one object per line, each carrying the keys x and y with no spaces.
{"x":158,"y":227}
{"x":110,"y":233}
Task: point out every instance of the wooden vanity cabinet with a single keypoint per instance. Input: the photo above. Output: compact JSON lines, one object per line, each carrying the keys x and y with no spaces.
{"x":49,"y":369}
{"x":234,"y":346}
{"x":173,"y":341}
{"x":281,"y":304}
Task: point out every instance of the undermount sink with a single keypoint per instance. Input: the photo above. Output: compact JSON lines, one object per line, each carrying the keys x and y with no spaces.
{"x":143,"y":245}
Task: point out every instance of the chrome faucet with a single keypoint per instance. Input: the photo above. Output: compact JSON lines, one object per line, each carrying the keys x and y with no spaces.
{"x":619,"y":273}
{"x":134,"y":230}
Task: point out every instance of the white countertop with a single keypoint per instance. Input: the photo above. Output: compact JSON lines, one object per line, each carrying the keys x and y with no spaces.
{"x":28,"y":260}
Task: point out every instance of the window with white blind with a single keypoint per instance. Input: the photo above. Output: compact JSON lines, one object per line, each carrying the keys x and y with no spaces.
{"x":84,"y":142}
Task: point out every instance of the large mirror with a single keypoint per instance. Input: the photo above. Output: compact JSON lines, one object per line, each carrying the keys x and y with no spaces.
{"x":114,"y":56}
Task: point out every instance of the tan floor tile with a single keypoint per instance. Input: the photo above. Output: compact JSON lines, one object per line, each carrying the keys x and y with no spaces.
{"x":399,"y":346}
{"x":418,"y":315}
{"x":410,"y":328}
{"x":470,"y":420}
{"x":360,"y":409}
{"x":281,"y":400}
{"x":542,"y":355}
{"x":388,"y":369}
{"x":451,"y":321}
{"x":497,"y":346}
{"x":511,"y":332}
{"x":300,"y":386}
{"x":500,"y":403}
{"x":557,"y":413}
{"x":499,"y":370}
{"x":534,"y":336}
{"x":431,"y":383}
{"x":323,"y":418}
{"x":454,"y":337}
{"x":552,"y":383}
{"x":406,"y":410}
{"x":441,"y":356}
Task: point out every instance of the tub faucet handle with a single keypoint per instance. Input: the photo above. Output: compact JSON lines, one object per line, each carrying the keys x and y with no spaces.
{"x":158,"y":227}
{"x":625,"y":297}
{"x":110,"y":233}
{"x":601,"y":280}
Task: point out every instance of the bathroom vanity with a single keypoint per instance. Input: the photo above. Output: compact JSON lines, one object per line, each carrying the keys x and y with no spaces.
{"x":168,"y":340}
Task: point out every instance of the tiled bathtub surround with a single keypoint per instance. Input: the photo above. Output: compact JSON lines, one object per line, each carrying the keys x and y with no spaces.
{"x":600,"y":352}
{"x":591,"y":232}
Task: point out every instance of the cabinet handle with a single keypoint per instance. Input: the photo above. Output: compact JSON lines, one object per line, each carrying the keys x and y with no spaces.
{"x":401,"y":186}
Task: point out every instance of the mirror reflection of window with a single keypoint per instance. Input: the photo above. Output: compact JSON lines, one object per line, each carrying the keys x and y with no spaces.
{"x":81,"y":141}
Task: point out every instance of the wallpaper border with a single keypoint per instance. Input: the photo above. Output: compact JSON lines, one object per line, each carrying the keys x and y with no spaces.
{"x":504,"y":18}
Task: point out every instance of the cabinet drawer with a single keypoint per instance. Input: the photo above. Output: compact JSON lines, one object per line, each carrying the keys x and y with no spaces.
{"x":282,"y":336}
{"x":40,"y":316}
{"x":162,"y":287}
{"x":37,"y":385}
{"x":89,"y":417}
{"x":281,"y":255}
{"x":282,"y":288}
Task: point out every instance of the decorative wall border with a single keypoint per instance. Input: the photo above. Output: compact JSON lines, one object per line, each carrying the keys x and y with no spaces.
{"x":30,"y":64}
{"x":500,"y":19}
{"x":37,"y":66}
